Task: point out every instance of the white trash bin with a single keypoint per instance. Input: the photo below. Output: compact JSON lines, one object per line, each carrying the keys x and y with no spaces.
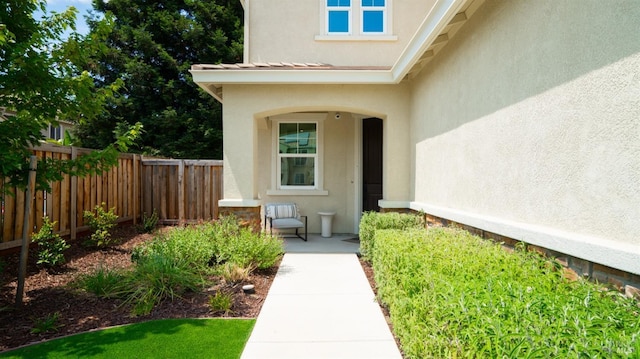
{"x":325,"y":218}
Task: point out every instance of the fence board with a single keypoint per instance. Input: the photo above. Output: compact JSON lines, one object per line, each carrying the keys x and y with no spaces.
{"x":178,"y":190}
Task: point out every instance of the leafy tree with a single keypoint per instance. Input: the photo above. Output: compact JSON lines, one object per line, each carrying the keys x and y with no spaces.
{"x":41,"y":80}
{"x":151,"y":48}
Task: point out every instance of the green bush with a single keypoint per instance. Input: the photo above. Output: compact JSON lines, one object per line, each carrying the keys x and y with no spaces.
{"x":374,"y":221}
{"x":51,"y":246}
{"x":221,"y":303}
{"x":149,"y":223}
{"x":101,"y":222}
{"x":451,"y":294}
{"x":108,"y":283}
{"x":158,"y":277}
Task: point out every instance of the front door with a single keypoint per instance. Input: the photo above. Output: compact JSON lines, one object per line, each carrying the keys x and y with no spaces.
{"x":372,"y":163}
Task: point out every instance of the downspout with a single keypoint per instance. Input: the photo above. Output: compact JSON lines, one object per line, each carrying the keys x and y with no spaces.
{"x":245,"y":45}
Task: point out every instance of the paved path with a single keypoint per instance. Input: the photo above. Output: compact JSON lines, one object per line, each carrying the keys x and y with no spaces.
{"x":320,"y":306}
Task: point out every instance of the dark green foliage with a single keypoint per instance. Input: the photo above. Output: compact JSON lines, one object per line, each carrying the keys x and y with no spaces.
{"x":50,"y":323}
{"x":107,"y":283}
{"x":151,"y":49}
{"x":451,"y":294}
{"x":374,"y":221}
{"x":41,"y":80}
{"x":51,"y":246}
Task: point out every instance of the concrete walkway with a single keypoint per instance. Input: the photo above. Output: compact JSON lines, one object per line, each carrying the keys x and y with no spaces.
{"x":320,"y":305}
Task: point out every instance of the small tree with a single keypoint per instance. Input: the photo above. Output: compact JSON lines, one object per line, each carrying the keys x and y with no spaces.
{"x":51,"y":246}
{"x":41,"y":78}
{"x":101,"y":222}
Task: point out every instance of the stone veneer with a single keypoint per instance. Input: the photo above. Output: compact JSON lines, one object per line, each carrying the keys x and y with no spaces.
{"x":248,"y":216}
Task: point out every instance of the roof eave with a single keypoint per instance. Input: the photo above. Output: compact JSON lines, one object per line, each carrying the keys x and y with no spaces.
{"x":270,"y":76}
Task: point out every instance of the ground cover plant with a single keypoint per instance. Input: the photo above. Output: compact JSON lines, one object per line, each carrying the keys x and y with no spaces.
{"x":172,"y":338}
{"x":451,"y":294}
{"x":181,"y":260}
{"x":374,"y":221}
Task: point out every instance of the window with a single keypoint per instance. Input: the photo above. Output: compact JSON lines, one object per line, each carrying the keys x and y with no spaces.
{"x":55,"y":132}
{"x":373,"y":16}
{"x":338,"y":16}
{"x":297,"y":155}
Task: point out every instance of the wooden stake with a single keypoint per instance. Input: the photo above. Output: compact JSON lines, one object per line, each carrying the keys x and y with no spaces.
{"x":26,"y":231}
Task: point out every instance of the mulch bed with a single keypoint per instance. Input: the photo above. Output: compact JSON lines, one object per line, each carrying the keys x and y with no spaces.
{"x":48,"y":292}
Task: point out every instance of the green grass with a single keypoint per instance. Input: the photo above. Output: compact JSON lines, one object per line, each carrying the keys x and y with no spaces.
{"x":170,"y":338}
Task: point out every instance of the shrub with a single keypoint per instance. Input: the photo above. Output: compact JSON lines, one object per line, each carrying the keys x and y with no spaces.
{"x":101,"y":222}
{"x":51,"y":246}
{"x":374,"y":221}
{"x":103,"y":282}
{"x":451,"y":294}
{"x":50,"y":323}
{"x":192,"y":245}
{"x":149,"y":223}
{"x":221,"y":303}
{"x":158,"y":277}
{"x":233,"y":273}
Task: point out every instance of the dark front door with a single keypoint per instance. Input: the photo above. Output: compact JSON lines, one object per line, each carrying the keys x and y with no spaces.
{"x":372,"y":163}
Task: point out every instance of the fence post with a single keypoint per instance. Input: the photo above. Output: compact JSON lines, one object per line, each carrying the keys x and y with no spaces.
{"x":181,"y":214}
{"x":73,"y":221}
{"x":26,"y":232}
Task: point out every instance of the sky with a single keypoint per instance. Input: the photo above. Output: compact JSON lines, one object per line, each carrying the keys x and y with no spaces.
{"x":81,"y":5}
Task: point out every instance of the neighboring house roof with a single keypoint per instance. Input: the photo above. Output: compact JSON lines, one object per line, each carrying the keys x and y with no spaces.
{"x":443,"y":21}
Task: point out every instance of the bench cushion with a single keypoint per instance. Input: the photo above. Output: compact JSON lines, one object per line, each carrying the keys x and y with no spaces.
{"x":286,"y":223}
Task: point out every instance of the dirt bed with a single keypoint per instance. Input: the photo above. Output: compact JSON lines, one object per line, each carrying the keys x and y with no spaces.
{"x":48,"y":292}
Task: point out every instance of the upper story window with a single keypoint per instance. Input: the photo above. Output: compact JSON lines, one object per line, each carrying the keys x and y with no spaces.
{"x":357,"y":17}
{"x":373,"y":16}
{"x":339,"y":16}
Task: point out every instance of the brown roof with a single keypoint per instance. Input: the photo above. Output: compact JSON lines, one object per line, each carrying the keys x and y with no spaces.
{"x":283,"y":66}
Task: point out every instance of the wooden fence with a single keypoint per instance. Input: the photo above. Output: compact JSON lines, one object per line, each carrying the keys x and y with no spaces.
{"x":178,"y":190}
{"x":181,"y":189}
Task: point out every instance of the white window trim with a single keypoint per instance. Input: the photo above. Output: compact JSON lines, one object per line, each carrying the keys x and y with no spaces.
{"x":318,"y":189}
{"x":356,"y":7}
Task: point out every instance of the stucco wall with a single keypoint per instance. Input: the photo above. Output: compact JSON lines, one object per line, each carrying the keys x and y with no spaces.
{"x":247,"y":131}
{"x":286,"y":31}
{"x":530,"y":117}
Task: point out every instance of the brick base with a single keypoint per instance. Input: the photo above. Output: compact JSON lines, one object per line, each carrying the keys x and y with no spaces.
{"x":248,"y":216}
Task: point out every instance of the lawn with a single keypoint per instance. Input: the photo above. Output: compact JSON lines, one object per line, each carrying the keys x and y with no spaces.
{"x":170,"y":338}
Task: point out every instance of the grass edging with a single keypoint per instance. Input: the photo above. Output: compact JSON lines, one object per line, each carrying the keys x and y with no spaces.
{"x":167,"y":338}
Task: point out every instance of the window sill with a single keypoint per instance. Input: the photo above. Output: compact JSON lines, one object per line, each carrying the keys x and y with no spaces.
{"x":297,"y":192}
{"x":356,"y":38}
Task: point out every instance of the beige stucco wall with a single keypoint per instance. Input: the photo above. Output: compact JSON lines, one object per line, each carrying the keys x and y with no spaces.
{"x":247,"y":131}
{"x":287,"y":32}
{"x":530,"y":116}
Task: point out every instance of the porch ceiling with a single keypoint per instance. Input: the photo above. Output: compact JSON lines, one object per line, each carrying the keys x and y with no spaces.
{"x":444,"y":20}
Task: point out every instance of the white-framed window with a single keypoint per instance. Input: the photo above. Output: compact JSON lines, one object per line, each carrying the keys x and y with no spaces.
{"x":55,"y":132}
{"x":373,"y":16}
{"x":357,"y":17}
{"x":297,"y":155}
{"x":338,"y":16}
